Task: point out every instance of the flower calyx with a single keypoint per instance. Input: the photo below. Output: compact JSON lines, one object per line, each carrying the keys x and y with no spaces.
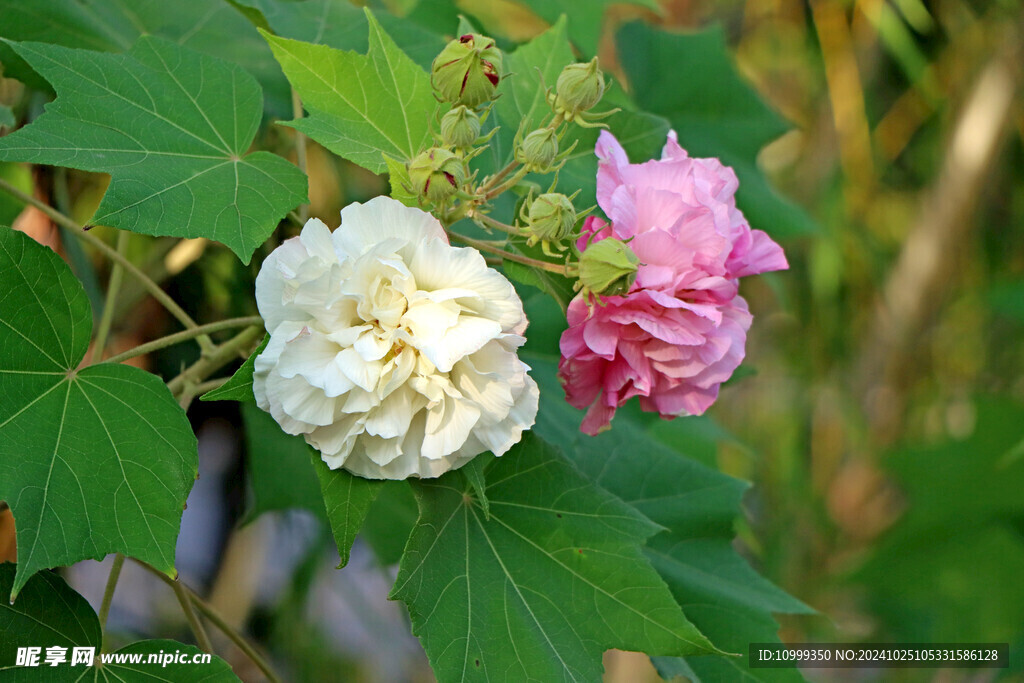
{"x":607,"y":268}
{"x":467,"y":70}
{"x":436,"y":174}
{"x":549,"y":219}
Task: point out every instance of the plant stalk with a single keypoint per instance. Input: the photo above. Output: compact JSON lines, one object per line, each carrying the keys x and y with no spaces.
{"x":108,"y":596}
{"x":483,"y":245}
{"x":184,"y":335}
{"x":110,"y":303}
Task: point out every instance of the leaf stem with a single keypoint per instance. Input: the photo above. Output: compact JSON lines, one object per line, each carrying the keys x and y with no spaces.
{"x":498,"y":177}
{"x":300,"y":150}
{"x":110,"y":303}
{"x":507,"y":185}
{"x":484,"y":245}
{"x":185,"y":600}
{"x":217,"y":620}
{"x":78,"y":231}
{"x":488,"y":222}
{"x":108,"y":596}
{"x":184,"y":335}
{"x":186,"y":384}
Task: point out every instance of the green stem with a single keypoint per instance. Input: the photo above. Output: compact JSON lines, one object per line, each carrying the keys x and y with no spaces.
{"x":185,"y":600}
{"x":184,"y":335}
{"x":483,"y":245}
{"x":215,"y":360}
{"x":488,"y":222}
{"x":113,"y":289}
{"x":507,"y":185}
{"x":108,"y":595}
{"x":78,"y":231}
{"x":217,"y":620}
{"x":300,"y":150}
{"x":499,"y":176}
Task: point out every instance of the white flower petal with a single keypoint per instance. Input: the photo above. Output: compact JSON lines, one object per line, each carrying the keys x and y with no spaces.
{"x":366,"y":225}
{"x":392,"y":352}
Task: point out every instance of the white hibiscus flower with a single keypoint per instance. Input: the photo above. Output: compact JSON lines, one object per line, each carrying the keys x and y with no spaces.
{"x":391,"y":352}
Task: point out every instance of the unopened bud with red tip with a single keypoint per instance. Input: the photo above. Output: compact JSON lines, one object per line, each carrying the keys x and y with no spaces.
{"x":608,"y":267}
{"x":551,"y":218}
{"x":436,"y":174}
{"x":460,"y":127}
{"x":467,"y":70}
{"x":538,"y":151}
{"x":579,"y":88}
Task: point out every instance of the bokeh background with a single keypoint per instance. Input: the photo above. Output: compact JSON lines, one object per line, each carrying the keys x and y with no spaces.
{"x":880,"y":413}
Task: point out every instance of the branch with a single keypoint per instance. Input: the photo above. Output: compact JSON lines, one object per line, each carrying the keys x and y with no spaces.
{"x":184,"y":335}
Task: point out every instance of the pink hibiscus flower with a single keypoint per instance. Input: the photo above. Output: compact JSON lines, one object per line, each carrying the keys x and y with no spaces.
{"x":681,"y":329}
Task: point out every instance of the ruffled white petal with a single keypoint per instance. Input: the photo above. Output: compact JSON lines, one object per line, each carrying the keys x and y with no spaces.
{"x":392,"y":352}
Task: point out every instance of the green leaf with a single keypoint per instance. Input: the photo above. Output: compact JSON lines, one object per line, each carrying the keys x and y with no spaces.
{"x":49,"y":614}
{"x":93,"y":460}
{"x":239,"y":387}
{"x":475,"y":473}
{"x":398,"y":179}
{"x":212,"y":28}
{"x":278,"y":467}
{"x":544,"y":586}
{"x":172,"y":128}
{"x":360,"y":106}
{"x":713,"y":110}
{"x":340,"y":24}
{"x":347,"y":498}
{"x":697,"y":506}
{"x":6,"y":117}
{"x":587,"y":17}
{"x":390,"y":521}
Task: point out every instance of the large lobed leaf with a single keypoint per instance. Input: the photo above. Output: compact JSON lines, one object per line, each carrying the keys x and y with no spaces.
{"x":541,"y":586}
{"x":697,"y":506}
{"x":172,"y":128}
{"x":360,"y":106}
{"x":48,"y":613}
{"x":93,"y":460}
{"x":690,"y":80}
{"x":213,"y":28}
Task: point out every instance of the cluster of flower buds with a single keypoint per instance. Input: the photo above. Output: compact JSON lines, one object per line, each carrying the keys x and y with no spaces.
{"x":465,"y":76}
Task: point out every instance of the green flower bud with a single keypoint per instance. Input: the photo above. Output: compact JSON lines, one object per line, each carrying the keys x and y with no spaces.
{"x":436,"y":174}
{"x":551,"y":218}
{"x":538,"y":150}
{"x":467,"y":70}
{"x":608,"y":267}
{"x":460,"y":127}
{"x":579,"y":88}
